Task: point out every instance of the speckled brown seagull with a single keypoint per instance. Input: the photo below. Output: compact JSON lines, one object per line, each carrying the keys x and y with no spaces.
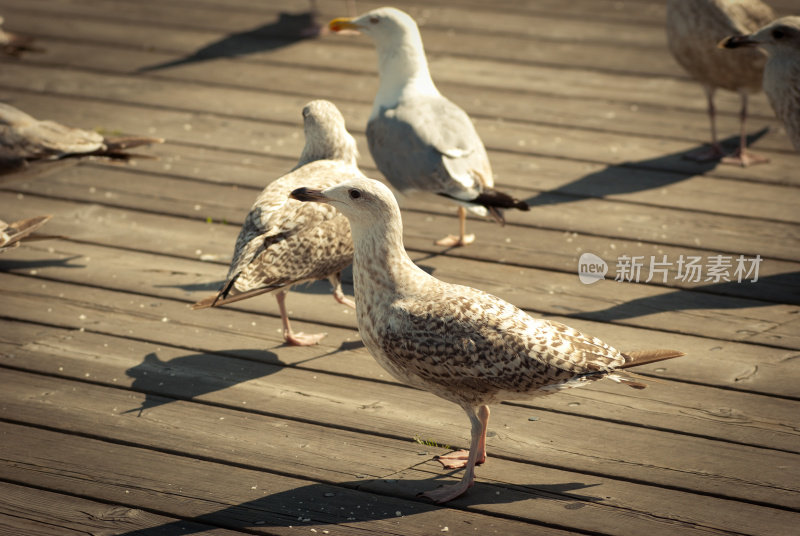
{"x":781,"y":40}
{"x":419,"y":139}
{"x":694,"y":27}
{"x":283,"y":242}
{"x":457,"y":342}
{"x":24,"y":138}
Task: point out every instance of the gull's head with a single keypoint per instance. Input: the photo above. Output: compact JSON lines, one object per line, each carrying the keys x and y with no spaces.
{"x":781,"y":35}
{"x":384,"y":25}
{"x":326,"y":135}
{"x":367,"y":203}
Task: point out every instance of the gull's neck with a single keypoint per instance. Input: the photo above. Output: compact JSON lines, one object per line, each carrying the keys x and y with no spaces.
{"x":381,"y":267}
{"x":329,"y":146}
{"x":403,"y":71}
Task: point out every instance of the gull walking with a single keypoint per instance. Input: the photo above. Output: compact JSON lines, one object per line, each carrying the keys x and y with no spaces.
{"x":284,"y":242}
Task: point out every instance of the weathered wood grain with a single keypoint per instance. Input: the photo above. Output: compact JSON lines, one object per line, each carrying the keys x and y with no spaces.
{"x":263,"y":503}
{"x":385,"y":410}
{"x":359,"y":461}
{"x":543,"y":248}
{"x":721,"y":414}
{"x":272,"y":502}
{"x":28,"y":511}
{"x":585,"y":115}
{"x":724,"y":318}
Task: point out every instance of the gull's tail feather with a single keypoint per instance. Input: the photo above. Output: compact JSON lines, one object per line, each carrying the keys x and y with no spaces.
{"x":217,"y":299}
{"x":643,"y":357}
{"x":491,"y":198}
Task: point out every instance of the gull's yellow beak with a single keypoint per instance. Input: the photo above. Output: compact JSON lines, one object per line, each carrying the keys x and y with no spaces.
{"x":342,"y":23}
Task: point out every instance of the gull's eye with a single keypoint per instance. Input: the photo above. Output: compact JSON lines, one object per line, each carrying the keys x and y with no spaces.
{"x":374,"y":20}
{"x":777,"y":33}
{"x":355,"y":194}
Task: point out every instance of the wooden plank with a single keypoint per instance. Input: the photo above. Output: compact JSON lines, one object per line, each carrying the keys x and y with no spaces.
{"x":588,"y":112}
{"x":548,"y":249}
{"x":722,"y":414}
{"x":27,"y":511}
{"x":532,"y":289}
{"x":123,"y":187}
{"x":499,"y":47}
{"x":239,"y":498}
{"x":168,"y":483}
{"x":473,"y":20}
{"x":392,"y":411}
{"x":533,"y":138}
{"x":693,"y":509}
{"x":485,"y":73}
{"x":569,"y":183}
{"x":594,"y":115}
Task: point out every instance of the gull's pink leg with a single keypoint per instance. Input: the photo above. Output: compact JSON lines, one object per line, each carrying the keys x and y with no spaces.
{"x":743,"y":157}
{"x":294,"y":339}
{"x":458,"y":459}
{"x":338,"y":295}
{"x":463,"y":239}
{"x":715,"y":152}
{"x":450,"y":492}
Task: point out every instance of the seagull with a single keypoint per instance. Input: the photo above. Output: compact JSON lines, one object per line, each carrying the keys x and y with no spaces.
{"x":459,"y":343}
{"x":694,"y":27}
{"x":418,"y":138}
{"x":24,"y":138}
{"x":283,"y":242}
{"x":781,"y":40}
{"x":11,"y":234}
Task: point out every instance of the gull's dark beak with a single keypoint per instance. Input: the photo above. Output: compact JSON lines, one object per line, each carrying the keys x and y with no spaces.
{"x":307,"y":194}
{"x":736,"y":41}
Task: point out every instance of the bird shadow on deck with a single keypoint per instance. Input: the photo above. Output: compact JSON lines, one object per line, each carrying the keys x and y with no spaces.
{"x":324,"y":505}
{"x":785,"y":290}
{"x":629,"y":177}
{"x":287,"y":29}
{"x":10,"y":265}
{"x":194,"y":375}
{"x":191,"y":376}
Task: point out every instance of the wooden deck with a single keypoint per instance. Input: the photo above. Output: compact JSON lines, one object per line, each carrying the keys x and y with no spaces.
{"x":122,"y":411}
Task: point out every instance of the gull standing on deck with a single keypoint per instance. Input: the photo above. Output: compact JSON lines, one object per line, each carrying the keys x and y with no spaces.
{"x":283,"y":242}
{"x":781,"y":40}
{"x":694,"y":27}
{"x":457,"y":342}
{"x":420,"y":140}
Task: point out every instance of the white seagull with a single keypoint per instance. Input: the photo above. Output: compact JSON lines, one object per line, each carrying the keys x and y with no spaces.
{"x":419,"y":139}
{"x":464,"y":345}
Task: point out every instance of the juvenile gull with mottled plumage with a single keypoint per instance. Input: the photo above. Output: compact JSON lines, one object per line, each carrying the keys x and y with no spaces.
{"x":694,"y":27}
{"x":284,"y":242}
{"x":419,"y":139}
{"x":461,"y":344}
{"x":781,"y":40}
